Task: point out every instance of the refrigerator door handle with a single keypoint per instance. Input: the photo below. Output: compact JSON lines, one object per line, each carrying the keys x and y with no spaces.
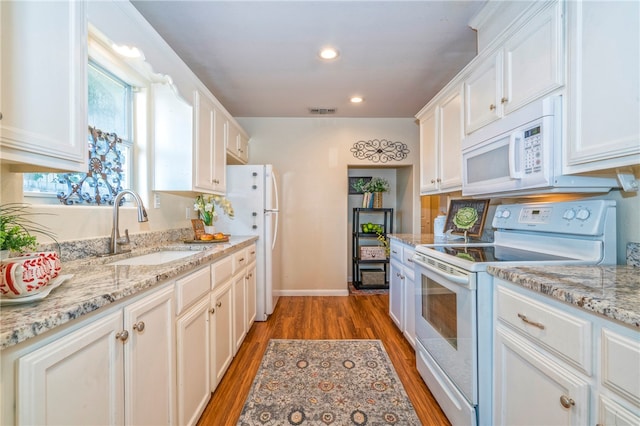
{"x":275,"y":191}
{"x":276,"y":207}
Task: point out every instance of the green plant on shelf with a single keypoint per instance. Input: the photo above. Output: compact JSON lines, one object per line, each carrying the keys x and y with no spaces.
{"x":385,"y":243}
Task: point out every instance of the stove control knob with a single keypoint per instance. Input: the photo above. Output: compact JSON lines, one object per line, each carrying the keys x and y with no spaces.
{"x":506,"y":214}
{"x":583,"y":214}
{"x":569,"y":214}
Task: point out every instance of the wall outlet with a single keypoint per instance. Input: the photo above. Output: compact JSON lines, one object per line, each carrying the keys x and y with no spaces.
{"x":187,"y":213}
{"x":156,"y":201}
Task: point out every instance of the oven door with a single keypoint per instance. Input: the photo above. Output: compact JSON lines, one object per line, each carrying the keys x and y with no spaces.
{"x":446,"y":321}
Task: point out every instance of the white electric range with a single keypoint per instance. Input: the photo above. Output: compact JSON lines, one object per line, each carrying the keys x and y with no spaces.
{"x":454,"y":293}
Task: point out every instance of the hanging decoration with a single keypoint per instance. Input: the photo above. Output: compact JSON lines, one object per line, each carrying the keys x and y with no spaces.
{"x":103,"y":181}
{"x":380,"y":151}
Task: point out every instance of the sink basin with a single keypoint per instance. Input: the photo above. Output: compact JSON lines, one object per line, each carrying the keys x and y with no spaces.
{"x":156,"y":258}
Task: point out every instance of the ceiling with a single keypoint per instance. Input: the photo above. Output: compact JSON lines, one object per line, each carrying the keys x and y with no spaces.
{"x":260,"y":58}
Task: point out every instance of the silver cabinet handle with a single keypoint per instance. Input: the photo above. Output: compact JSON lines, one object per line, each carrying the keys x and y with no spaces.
{"x":123,"y":335}
{"x":566,"y":401}
{"x":394,"y":252}
{"x":410,"y":260}
{"x":218,"y":304}
{"x":212,"y":311}
{"x":528,"y":321}
{"x":504,"y":100}
{"x":492,"y":107}
{"x":139,"y":326}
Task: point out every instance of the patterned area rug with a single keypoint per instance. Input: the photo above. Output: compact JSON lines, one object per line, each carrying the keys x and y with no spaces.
{"x":366,"y":291}
{"x":327,"y":382}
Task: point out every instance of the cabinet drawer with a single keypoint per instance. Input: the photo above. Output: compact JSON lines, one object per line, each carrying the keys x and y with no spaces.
{"x":621,"y":365}
{"x":395,"y":250}
{"x":251,"y":254}
{"x":221,"y":271}
{"x":240,"y":260}
{"x":565,"y":335}
{"x":192,"y":288}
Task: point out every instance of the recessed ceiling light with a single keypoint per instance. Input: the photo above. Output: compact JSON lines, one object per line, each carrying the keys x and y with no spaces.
{"x":328,"y":53}
{"x":356,"y":99}
{"x":126,"y":51}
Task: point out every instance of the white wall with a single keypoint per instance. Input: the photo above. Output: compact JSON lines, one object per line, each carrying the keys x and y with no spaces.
{"x":312,"y":156}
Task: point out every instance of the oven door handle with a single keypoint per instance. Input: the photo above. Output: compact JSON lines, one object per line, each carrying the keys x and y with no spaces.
{"x":464,"y":280}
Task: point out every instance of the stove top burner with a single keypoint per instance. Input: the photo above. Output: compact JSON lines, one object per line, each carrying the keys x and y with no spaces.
{"x":490,"y":253}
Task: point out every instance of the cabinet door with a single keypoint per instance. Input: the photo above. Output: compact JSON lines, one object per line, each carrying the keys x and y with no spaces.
{"x":428,"y":153}
{"x":219,"y":164}
{"x":221,"y":311}
{"x":610,"y":413}
{"x":483,"y":91}
{"x":203,"y":153}
{"x":409,"y":308}
{"x":603,"y":90}
{"x":44,"y":90}
{"x":149,"y":360}
{"x":243,"y":148}
{"x":239,"y":315}
{"x":396,"y":300}
{"x":532,"y":389}
{"x":251,"y":295}
{"x":533,"y":59}
{"x":78,"y":379}
{"x":451,"y":134}
{"x":193,"y":345}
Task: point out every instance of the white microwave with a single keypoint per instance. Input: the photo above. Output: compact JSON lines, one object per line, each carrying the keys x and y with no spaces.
{"x":521,"y":154}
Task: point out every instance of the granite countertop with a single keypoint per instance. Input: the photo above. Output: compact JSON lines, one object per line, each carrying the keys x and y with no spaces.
{"x":612,"y":291}
{"x":96,"y":283}
{"x":413,"y":239}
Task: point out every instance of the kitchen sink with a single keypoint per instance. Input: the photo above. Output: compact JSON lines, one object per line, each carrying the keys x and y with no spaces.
{"x":156,"y":258}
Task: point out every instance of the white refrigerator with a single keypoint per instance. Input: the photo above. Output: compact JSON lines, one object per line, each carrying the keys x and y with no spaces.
{"x":253,"y":191}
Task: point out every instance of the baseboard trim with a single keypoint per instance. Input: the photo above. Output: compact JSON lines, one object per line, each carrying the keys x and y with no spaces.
{"x":319,"y":292}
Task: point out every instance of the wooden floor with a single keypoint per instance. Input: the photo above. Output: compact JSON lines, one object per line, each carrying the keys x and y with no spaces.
{"x":340,"y":317}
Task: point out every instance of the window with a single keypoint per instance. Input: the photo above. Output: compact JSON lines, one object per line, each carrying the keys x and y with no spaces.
{"x":110,"y":110}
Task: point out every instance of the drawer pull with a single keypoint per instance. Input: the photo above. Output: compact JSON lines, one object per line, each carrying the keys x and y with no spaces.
{"x":566,"y":401}
{"x":212,"y":311}
{"x":528,"y":321}
{"x":219,"y":304}
{"x":394,"y":252}
{"x":492,"y":107}
{"x":241,"y":259}
{"x":410,"y":260}
{"x":139,"y":326}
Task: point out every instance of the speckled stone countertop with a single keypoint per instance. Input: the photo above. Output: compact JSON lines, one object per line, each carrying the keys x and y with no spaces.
{"x":96,"y":284}
{"x":612,"y":291}
{"x":413,"y":239}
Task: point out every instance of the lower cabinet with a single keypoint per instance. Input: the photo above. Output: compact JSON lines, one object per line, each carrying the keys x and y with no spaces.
{"x":221,"y":329}
{"x":555,"y":364}
{"x":193,"y":346}
{"x":239,"y":283}
{"x":401,"y":289}
{"x":105,"y":372}
{"x":533,"y":389}
{"x":252,"y":307}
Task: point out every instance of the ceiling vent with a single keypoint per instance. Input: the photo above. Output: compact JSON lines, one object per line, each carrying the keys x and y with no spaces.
{"x":322,"y":111}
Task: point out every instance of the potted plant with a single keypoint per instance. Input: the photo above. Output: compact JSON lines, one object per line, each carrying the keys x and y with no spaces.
{"x":205,"y":206}
{"x":377,"y":186}
{"x":17,"y":229}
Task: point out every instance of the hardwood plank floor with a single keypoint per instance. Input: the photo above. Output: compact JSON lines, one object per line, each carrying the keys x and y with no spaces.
{"x":339,"y":317}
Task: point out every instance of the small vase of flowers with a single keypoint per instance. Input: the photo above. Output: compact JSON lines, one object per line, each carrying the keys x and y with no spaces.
{"x":205,"y":205}
{"x":377,"y":186}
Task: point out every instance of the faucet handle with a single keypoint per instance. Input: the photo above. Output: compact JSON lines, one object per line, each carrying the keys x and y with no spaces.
{"x":125,"y":239}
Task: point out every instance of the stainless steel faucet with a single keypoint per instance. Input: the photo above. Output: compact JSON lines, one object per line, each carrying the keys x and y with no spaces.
{"x":116,"y":240}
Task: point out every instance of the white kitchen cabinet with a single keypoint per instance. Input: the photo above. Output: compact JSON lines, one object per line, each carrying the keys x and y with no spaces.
{"x":211,"y":127}
{"x":106,"y":372}
{"x":523,"y":67}
{"x":530,"y":388}
{"x":545,"y":349}
{"x":237,"y":145}
{"x":441,"y":132}
{"x":251,"y":305}
{"x":193,"y":360}
{"x":239,"y":283}
{"x":221,"y":326}
{"x":192,"y":344}
{"x":401,"y":290}
{"x":603,"y":95}
{"x":43,"y":102}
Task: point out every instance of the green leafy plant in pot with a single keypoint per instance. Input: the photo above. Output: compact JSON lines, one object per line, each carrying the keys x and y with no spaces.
{"x":377,"y":186}
{"x":17,"y":229}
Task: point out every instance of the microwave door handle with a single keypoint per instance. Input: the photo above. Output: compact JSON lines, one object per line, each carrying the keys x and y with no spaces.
{"x":514,"y":154}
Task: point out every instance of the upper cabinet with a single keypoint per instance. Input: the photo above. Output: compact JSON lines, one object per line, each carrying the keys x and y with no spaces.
{"x":441,"y":132}
{"x":525,"y":66}
{"x":603,"y":94}
{"x":211,"y":127}
{"x":237,"y":146}
{"x":43,"y":102}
